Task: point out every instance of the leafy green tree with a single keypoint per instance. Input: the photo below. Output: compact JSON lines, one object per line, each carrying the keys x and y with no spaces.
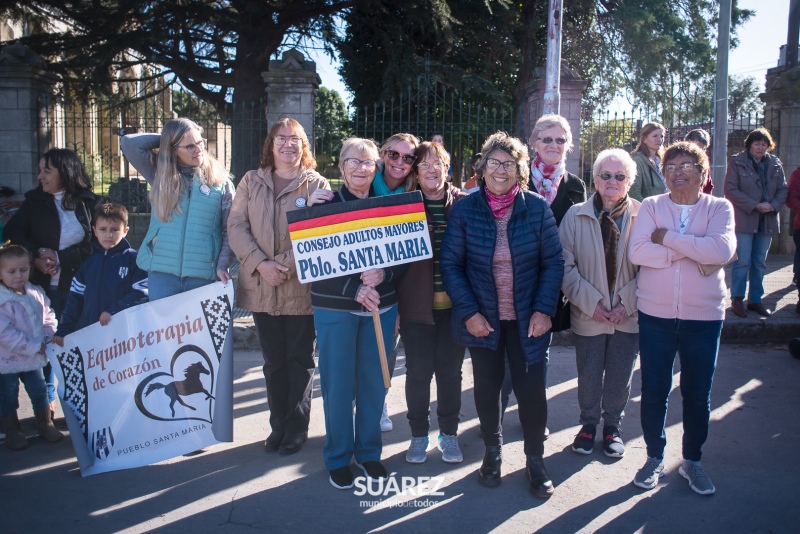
{"x":331,"y":128}
{"x":215,"y":48}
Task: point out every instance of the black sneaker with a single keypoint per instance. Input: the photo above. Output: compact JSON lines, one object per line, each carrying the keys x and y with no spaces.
{"x":612,"y":442}
{"x":341,"y":478}
{"x":373,"y":470}
{"x":584,"y":441}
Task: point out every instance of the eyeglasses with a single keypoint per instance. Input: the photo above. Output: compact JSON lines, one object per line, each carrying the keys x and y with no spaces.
{"x":685,"y":167}
{"x":194,"y":146}
{"x":281,"y":140}
{"x":425,"y":166}
{"x":548,"y":140}
{"x":393,"y":155}
{"x":606,"y":176}
{"x":509,"y":166}
{"x":355,"y":163}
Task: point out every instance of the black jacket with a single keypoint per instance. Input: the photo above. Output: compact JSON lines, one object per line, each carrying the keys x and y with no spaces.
{"x":36,"y":225}
{"x":571,"y":191}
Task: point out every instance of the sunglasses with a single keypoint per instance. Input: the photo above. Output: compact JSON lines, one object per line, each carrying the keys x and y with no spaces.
{"x":393,"y":155}
{"x":548,"y":140}
{"x":606,"y":176}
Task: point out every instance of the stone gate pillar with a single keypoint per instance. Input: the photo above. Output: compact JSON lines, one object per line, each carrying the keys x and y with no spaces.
{"x":24,"y":86}
{"x":782,"y":112}
{"x":572,"y":87}
{"x":291,"y":85}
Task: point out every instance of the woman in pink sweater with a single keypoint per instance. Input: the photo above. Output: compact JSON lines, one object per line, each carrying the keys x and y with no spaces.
{"x":676,"y":237}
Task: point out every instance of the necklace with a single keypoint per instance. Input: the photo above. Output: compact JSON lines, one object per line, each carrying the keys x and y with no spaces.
{"x":684,"y":219}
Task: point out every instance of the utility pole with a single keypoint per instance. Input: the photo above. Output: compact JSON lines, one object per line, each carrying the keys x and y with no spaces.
{"x":552,"y":95}
{"x":720,"y":154}
{"x":792,"y":35}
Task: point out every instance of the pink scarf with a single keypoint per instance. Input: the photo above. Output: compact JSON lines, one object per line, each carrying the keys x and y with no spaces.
{"x":499,"y":204}
{"x":546,"y":178}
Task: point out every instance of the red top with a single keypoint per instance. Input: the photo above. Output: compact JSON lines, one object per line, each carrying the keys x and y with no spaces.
{"x":793,"y":198}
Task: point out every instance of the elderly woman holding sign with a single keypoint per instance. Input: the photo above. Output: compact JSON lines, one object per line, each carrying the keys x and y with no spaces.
{"x":502,"y":268}
{"x":268,"y":283}
{"x":349,"y":361}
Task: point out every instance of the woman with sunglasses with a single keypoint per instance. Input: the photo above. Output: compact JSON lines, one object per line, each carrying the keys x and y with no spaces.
{"x":191,"y":194}
{"x":600,"y":283}
{"x":395,"y":176}
{"x":349,"y":365}
{"x":647,"y":155}
{"x":425,"y":316}
{"x":502,"y":268}
{"x":680,"y":241}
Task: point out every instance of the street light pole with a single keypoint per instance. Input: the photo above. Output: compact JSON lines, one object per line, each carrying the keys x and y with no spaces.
{"x":552,"y":95}
{"x":720,"y":154}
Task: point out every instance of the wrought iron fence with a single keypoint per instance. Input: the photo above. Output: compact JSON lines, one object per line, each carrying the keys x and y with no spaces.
{"x":605,"y":130}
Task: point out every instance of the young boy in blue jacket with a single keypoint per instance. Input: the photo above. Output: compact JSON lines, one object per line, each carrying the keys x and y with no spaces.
{"x":109,"y":280}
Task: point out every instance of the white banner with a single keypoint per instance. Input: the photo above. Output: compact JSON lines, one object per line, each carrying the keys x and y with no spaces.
{"x":155,"y":383}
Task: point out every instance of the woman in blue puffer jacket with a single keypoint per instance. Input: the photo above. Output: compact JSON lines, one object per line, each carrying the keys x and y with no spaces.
{"x":502,"y":266}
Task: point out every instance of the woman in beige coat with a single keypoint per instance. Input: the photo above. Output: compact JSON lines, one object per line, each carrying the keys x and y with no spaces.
{"x":268,"y":284}
{"x":600,"y":283}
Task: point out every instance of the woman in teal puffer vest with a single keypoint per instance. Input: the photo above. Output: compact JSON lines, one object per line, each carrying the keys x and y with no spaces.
{"x":186,"y":246}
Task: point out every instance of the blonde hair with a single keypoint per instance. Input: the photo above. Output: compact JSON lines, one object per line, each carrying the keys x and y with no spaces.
{"x":410,"y":181}
{"x":546,"y":122}
{"x":169,"y":184}
{"x":511,"y":146}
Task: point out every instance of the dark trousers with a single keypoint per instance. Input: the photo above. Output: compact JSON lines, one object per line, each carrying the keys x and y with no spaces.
{"x":528,"y":384}
{"x":287,"y":344}
{"x":697,"y":345}
{"x":430,"y":350}
{"x":796,"y":239}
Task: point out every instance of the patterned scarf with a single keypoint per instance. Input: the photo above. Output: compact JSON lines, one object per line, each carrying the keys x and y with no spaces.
{"x":499,"y":204}
{"x":546,"y":178}
{"x":610,"y":232}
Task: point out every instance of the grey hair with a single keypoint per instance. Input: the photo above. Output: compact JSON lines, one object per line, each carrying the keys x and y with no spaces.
{"x":615,"y":154}
{"x":548,"y":121}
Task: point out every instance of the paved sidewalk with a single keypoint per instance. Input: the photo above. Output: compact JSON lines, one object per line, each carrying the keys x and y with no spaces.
{"x":780,"y":297}
{"x":237,"y":487}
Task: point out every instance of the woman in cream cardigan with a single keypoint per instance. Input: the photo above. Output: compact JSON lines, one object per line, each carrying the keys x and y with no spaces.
{"x":600,"y":283}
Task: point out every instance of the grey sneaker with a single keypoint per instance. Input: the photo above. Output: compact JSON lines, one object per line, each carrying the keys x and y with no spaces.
{"x":417,"y":451}
{"x":698,"y":480}
{"x":451,"y":452}
{"x":649,"y":475}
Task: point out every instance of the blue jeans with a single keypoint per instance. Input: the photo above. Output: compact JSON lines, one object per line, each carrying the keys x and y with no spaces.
{"x":697,"y":344}
{"x":34,"y":385}
{"x":349,"y":367}
{"x":751,"y":250}
{"x":163,"y":285}
{"x":58,"y":300}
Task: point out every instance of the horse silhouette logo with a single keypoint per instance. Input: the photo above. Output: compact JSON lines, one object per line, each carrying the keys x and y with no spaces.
{"x":188,"y":399}
{"x":175,"y":390}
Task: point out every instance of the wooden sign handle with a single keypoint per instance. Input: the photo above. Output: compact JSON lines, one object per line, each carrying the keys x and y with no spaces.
{"x":376,"y":319}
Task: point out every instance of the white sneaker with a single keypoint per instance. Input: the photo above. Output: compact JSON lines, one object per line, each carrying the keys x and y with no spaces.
{"x":386,"y":423}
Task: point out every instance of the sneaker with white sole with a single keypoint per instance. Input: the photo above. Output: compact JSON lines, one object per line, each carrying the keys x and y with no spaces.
{"x":418,"y":450}
{"x":386,"y":423}
{"x":373,"y":470}
{"x":698,"y":480}
{"x":451,"y":452}
{"x":649,"y":475}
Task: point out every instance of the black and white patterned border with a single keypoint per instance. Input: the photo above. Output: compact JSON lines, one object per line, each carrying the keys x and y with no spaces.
{"x":76,"y":394}
{"x":218,"y":318}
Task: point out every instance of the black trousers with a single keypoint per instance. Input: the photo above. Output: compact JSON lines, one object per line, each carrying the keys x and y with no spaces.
{"x":527,"y":381}
{"x":430,"y":350}
{"x":287,"y":345}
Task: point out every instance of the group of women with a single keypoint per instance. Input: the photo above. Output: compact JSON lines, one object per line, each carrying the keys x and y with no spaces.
{"x":639,"y":263}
